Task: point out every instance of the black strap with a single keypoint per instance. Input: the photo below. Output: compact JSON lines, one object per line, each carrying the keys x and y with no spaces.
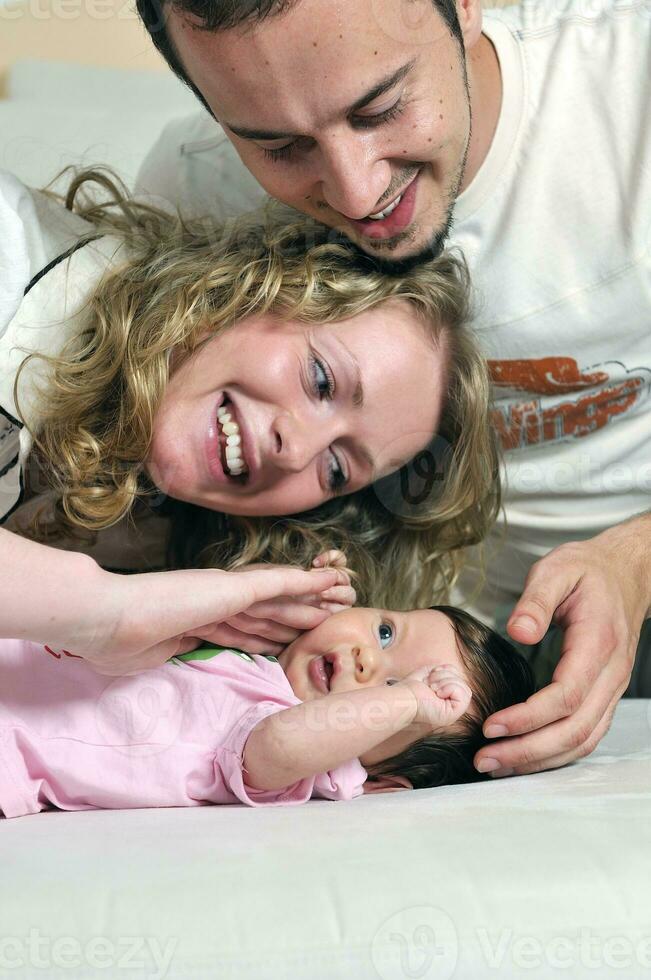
{"x":60,"y":258}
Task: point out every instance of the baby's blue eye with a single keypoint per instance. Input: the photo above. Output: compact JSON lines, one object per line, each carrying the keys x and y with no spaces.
{"x":386,"y":633}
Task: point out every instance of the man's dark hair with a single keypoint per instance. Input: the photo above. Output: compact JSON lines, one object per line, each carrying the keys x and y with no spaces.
{"x":221,"y":15}
{"x":498,"y":675}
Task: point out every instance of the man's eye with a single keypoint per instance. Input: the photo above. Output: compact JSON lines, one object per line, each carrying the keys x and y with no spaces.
{"x":385,"y":631}
{"x":279,"y":153}
{"x":322,"y":379}
{"x":366,"y":122}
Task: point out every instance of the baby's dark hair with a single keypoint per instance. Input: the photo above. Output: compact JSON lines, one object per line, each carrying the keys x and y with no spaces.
{"x":498,"y":675}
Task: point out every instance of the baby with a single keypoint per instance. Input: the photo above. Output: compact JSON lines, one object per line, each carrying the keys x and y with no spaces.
{"x":368,"y":701}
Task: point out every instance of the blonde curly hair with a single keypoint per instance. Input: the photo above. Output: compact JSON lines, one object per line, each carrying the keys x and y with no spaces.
{"x":178,"y":279}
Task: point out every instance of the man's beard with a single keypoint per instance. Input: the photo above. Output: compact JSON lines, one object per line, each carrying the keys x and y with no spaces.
{"x":436,"y":244}
{"x":430,"y":251}
{"x":399,"y":267}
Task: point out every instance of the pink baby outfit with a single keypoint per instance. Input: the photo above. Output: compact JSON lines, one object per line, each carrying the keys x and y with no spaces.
{"x":172,"y":736}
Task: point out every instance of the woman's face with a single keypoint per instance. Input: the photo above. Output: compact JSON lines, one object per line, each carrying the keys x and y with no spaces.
{"x":315,"y":411}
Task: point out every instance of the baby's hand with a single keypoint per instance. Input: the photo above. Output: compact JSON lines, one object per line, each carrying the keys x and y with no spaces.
{"x":442,"y":695}
{"x":342,"y":595}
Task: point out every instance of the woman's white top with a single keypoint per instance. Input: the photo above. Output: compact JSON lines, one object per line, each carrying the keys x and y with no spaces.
{"x":48,"y":269}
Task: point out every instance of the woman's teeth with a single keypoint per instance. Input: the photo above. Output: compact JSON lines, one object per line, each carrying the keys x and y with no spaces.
{"x":387,"y":211}
{"x":234,"y":459}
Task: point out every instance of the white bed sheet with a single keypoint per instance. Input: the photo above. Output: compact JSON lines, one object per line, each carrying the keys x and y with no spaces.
{"x":540,"y":876}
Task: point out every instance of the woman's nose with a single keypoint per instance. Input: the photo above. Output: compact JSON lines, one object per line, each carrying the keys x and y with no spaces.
{"x":296,"y":444}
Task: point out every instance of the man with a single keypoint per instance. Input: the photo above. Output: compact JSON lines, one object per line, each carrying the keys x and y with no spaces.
{"x":526,"y":140}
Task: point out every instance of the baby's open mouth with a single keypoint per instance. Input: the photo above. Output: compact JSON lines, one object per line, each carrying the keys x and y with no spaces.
{"x":230,"y":441}
{"x":321,"y":670}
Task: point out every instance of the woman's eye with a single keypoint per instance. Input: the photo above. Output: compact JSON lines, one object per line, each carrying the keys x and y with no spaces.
{"x":337,"y":479}
{"x":323,"y":382}
{"x":392,"y":680}
{"x":385,"y":631}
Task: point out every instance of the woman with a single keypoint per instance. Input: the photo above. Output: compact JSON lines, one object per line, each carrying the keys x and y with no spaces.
{"x":248,"y":377}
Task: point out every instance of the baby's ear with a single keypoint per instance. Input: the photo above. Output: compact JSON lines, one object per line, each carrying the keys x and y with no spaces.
{"x":386,"y":784}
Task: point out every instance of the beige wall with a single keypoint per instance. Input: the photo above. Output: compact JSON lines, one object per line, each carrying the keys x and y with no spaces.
{"x":89,"y":32}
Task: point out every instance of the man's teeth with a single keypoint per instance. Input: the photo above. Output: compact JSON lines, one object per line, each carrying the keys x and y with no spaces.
{"x":387,"y":211}
{"x":234,"y":459}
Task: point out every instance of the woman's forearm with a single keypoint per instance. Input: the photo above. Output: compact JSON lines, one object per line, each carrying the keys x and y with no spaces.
{"x":320,"y":735}
{"x":48,"y":595}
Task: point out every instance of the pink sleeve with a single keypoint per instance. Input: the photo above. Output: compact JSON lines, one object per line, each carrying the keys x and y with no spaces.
{"x":343,"y":783}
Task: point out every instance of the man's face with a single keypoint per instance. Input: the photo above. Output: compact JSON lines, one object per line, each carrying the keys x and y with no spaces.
{"x":341,"y":110}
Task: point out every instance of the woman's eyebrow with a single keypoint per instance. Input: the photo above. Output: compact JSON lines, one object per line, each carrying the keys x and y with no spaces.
{"x":358,"y":390}
{"x":385,"y":85}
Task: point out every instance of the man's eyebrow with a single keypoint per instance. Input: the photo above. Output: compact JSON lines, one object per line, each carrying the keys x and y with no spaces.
{"x":383,"y":86}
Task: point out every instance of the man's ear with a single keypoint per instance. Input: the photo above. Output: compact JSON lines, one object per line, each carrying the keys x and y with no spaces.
{"x":386,"y":784}
{"x":470,"y":21}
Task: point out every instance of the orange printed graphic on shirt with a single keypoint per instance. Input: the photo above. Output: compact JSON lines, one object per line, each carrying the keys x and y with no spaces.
{"x":546,"y":376}
{"x":599,"y":399}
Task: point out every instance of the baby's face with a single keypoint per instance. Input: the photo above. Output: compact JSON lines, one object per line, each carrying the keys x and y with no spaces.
{"x":362,"y":647}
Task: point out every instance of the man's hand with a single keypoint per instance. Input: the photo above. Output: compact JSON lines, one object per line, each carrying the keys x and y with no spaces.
{"x":599,"y":593}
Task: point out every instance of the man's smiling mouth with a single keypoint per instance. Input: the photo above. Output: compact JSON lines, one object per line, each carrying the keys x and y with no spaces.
{"x":380,"y":215}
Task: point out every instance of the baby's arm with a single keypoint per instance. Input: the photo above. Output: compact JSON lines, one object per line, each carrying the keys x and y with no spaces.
{"x":318,"y":736}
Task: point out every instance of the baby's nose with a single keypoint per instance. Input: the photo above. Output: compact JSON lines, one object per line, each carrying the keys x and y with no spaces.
{"x":365,"y":663}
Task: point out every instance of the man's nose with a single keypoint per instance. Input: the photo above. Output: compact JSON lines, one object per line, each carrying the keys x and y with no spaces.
{"x":353,"y":180}
{"x":296,"y":443}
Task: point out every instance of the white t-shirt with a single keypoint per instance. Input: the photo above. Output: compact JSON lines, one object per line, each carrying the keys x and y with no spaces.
{"x":36,"y":235}
{"x":41,"y":301}
{"x":556,"y":227}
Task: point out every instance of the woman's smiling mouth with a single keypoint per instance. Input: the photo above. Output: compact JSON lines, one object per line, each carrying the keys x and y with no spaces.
{"x":230,"y":440}
{"x":230,"y":445}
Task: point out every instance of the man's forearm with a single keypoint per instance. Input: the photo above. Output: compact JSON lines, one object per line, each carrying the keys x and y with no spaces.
{"x":320,"y":735}
{"x":48,"y":595}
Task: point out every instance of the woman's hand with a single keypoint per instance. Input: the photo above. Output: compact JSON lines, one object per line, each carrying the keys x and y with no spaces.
{"x":442,"y":695}
{"x":268,"y":627}
{"x":158,"y":615}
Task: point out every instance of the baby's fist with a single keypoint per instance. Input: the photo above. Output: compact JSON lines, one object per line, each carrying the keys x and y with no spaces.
{"x":442,"y":694}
